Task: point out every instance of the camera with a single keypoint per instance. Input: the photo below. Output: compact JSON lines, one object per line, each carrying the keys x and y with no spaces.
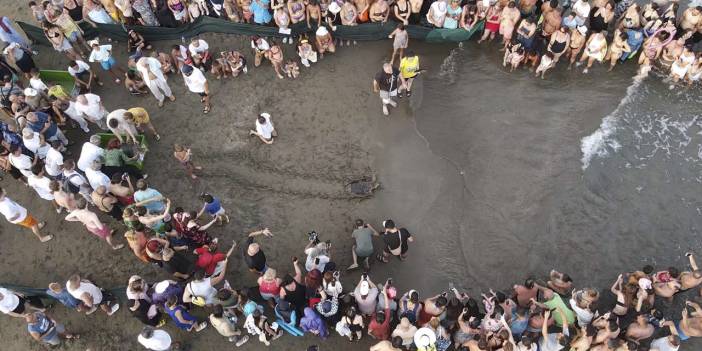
{"x":364,"y":276}
{"x":313,"y":237}
{"x":336,"y":275}
{"x":388,"y":282}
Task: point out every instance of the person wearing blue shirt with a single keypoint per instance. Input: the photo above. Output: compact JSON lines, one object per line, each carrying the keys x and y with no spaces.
{"x":41,"y":122}
{"x":150,"y":198}
{"x":261,"y":14}
{"x":214,"y":208}
{"x":62,"y":295}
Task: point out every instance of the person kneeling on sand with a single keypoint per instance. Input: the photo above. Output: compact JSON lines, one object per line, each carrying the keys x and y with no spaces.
{"x":264,"y":128}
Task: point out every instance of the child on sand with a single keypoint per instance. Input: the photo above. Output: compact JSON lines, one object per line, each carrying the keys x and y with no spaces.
{"x":292,"y":69}
{"x":184,"y":156}
{"x":214,"y":208}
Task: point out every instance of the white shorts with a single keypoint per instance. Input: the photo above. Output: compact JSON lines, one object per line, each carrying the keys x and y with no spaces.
{"x":387,"y":94}
{"x":221,"y":212}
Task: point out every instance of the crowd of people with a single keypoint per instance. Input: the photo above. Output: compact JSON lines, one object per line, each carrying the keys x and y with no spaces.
{"x":107,"y":180}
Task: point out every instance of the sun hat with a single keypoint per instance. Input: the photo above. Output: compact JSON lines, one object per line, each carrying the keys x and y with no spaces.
{"x":424,"y":337}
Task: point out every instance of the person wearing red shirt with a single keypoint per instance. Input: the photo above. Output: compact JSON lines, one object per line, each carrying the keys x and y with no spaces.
{"x":208,"y":258}
{"x":379,"y":326}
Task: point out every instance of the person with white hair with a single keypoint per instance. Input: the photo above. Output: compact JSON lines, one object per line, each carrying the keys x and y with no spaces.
{"x":95,"y":177}
{"x":156,"y":339}
{"x":90,"y":152}
{"x":386,"y":83}
{"x":35,"y":143}
{"x":264,"y":128}
{"x":150,"y":69}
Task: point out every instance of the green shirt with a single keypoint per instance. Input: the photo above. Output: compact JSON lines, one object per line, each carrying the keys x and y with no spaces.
{"x":556,"y":303}
{"x":115,"y":157}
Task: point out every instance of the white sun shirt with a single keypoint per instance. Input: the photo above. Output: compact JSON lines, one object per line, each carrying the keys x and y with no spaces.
{"x":53,"y":162}
{"x":10,"y":209}
{"x":159,"y":341}
{"x":84,"y":287}
{"x":195,"y":81}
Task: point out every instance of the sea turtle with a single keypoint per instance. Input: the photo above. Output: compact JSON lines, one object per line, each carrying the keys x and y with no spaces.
{"x":363,"y":186}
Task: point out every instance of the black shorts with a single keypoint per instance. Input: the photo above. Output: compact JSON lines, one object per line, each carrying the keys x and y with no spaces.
{"x":20,"y":306}
{"x":107,"y":298}
{"x":203,"y":94}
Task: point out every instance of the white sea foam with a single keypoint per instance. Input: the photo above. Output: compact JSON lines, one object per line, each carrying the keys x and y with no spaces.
{"x":602,"y":140}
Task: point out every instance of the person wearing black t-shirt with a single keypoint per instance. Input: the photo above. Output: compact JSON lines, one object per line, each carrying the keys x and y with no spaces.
{"x":177,"y":264}
{"x":253,"y":255}
{"x":386,"y":83}
{"x":396,"y":241}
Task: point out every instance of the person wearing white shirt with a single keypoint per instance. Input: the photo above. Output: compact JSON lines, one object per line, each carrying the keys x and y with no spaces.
{"x":121,"y":127}
{"x":197,"y":83}
{"x":90,"y":152}
{"x":90,"y":106}
{"x":95,"y":177}
{"x":40,"y":183}
{"x":437,"y":13}
{"x":150,"y":69}
{"x":264,"y":129}
{"x":582,"y":11}
{"x":16,"y":214}
{"x":103,"y":55}
{"x":69,"y":108}
{"x":91,"y":295}
{"x":155,"y":339}
{"x":82,"y":73}
{"x":54,"y":160}
{"x":21,"y":161}
{"x":35,"y":143}
{"x":667,"y":343}
{"x":36,"y":83}
{"x":198,"y":51}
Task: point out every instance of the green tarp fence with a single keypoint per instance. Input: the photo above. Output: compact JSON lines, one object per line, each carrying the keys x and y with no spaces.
{"x":119,"y":292}
{"x":364,"y":32}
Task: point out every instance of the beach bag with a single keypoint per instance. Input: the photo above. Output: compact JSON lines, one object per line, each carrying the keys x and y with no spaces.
{"x":69,"y":187}
{"x":342,"y":328}
{"x":196,"y":300}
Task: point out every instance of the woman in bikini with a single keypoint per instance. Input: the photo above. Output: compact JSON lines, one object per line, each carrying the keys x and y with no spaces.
{"x":595,"y":50}
{"x":362,"y":6}
{"x":526,"y":33}
{"x":275,"y":55}
{"x":631,"y":18}
{"x":349,"y":14}
{"x":184,"y":157}
{"x":180,"y":12}
{"x":245,"y":6}
{"x":492,"y":25}
{"x":679,"y":68}
{"x":577,"y":41}
{"x":622,"y":306}
{"x":296,"y":9}
{"x":618,"y":48}
{"x":401,"y":11}
{"x":653,"y":46}
{"x":379,"y":11}
{"x":560,"y":40}
{"x":282,"y":19}
{"x":58,"y":41}
{"x":313,"y":13}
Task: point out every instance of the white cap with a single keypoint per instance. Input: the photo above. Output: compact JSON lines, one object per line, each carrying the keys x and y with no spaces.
{"x":365,"y":288}
{"x":265,"y":115}
{"x":30,"y":92}
{"x":334,"y":8}
{"x":322,"y":31}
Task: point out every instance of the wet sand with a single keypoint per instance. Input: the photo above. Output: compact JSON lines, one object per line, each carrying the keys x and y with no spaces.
{"x":487,"y":178}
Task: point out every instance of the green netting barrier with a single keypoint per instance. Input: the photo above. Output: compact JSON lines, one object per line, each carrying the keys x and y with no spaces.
{"x":119,"y":292}
{"x":365,"y":31}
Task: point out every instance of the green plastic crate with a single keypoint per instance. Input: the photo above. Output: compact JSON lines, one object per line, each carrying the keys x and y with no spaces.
{"x":105,"y":137}
{"x":62,"y":78}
